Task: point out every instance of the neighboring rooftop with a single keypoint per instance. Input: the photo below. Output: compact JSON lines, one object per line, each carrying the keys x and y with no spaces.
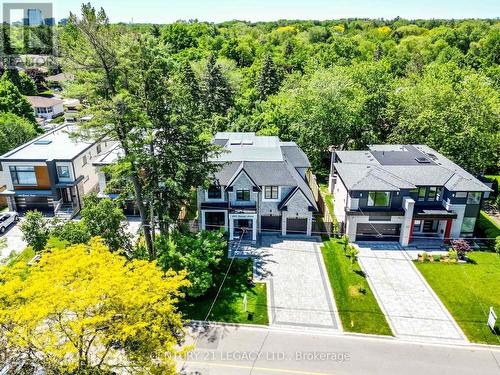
{"x":43,"y":101}
{"x":61,"y":77}
{"x":109,"y":157}
{"x":53,"y":145}
{"x":394,"y":167}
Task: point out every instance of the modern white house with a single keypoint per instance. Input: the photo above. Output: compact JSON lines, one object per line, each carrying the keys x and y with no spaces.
{"x":403,"y":193}
{"x":51,"y":173}
{"x":260,"y":187}
{"x":46,"y":108}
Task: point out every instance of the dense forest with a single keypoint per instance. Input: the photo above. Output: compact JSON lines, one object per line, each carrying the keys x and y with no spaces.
{"x":346,"y":83}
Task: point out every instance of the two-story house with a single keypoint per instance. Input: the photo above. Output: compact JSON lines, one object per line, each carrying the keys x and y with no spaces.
{"x":403,"y":193}
{"x":260,"y":187}
{"x":51,"y":173}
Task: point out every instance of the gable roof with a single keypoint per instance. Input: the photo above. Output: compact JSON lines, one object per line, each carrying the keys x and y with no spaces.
{"x":265,"y":160}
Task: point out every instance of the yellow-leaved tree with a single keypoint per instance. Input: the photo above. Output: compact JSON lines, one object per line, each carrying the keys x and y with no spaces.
{"x":86,"y":310}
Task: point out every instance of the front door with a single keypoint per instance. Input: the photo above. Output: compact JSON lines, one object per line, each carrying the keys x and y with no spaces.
{"x":66,"y":195}
{"x":430,"y":226}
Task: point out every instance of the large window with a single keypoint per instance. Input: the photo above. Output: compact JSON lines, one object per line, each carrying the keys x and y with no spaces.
{"x":271,"y":192}
{"x":473,"y":198}
{"x":242,"y":195}
{"x":421,"y":193}
{"x":23,"y":175}
{"x":214,"y":192}
{"x":63,"y":171}
{"x":435,"y":193}
{"x":468,"y":224}
{"x":379,"y":199}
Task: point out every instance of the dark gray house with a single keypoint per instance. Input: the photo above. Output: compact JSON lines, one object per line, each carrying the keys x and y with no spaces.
{"x":261,"y":187}
{"x":402,"y":193}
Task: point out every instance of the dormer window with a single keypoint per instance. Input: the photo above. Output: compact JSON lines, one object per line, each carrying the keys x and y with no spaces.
{"x":271,"y":192}
{"x":243,"y":195}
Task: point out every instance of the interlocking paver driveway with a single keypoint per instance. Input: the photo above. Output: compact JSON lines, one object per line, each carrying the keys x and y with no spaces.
{"x":411,"y":306}
{"x":299,"y":291}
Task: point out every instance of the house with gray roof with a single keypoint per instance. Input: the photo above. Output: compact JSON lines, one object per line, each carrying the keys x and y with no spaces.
{"x":260,"y":187}
{"x":51,"y":173}
{"x":403,"y":193}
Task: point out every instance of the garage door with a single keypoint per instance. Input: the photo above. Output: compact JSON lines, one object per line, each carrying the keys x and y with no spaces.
{"x":296,"y":226}
{"x":24,"y":203}
{"x":378,"y":232}
{"x":269,"y":224}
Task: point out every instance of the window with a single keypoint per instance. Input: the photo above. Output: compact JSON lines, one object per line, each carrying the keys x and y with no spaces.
{"x":84,"y":160}
{"x":421,"y":193}
{"x":379,"y":198}
{"x":63,"y":171}
{"x":434,"y":193}
{"x":474,"y":198}
{"x":468,"y":224}
{"x":23,"y":175}
{"x":214,"y":192}
{"x":461,"y":194}
{"x":242,"y":195}
{"x":271,"y":192}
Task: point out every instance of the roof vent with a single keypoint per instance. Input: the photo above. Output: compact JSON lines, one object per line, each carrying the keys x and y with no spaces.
{"x":422,"y":160}
{"x":235,"y":143}
{"x":432,"y":156}
{"x":247,"y":142}
{"x":43,"y":142}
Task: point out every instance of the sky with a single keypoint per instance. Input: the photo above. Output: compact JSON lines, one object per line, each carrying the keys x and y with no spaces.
{"x":158,"y":11}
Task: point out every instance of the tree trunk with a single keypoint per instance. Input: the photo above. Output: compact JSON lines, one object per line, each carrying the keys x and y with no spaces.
{"x":144,"y":216}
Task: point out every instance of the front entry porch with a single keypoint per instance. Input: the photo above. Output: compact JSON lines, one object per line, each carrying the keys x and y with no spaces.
{"x":243,"y":227}
{"x":430,"y":229}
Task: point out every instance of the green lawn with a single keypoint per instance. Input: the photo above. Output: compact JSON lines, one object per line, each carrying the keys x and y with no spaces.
{"x":358,"y":308}
{"x":468,"y":291}
{"x":24,"y":256}
{"x":229,"y":305}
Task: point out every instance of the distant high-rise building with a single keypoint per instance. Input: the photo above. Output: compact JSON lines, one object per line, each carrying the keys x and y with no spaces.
{"x":50,"y":21}
{"x":33,"y":17}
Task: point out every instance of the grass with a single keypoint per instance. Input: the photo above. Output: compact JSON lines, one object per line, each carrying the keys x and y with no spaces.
{"x":229,"y":305}
{"x":24,"y":256}
{"x":468,"y":290}
{"x":358,"y":308}
{"x":487,"y":226}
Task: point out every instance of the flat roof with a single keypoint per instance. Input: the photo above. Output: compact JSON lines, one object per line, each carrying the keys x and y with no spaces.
{"x":56,"y":144}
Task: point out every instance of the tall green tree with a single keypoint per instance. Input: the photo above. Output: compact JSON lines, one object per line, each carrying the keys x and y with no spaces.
{"x":216,"y":89}
{"x":452,"y":110}
{"x":35,"y":229}
{"x":269,"y":78}
{"x":11,"y":100}
{"x":22,"y":81}
{"x":14,"y":131}
{"x":104,"y":219}
{"x":92,"y":47}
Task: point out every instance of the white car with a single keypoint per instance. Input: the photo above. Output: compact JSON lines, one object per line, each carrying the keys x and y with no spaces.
{"x":6,"y":219}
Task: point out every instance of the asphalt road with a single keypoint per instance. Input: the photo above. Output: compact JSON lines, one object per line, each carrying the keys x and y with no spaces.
{"x":261,"y":351}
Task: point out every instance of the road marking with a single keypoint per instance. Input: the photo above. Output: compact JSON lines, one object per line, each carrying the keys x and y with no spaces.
{"x":283,"y":371}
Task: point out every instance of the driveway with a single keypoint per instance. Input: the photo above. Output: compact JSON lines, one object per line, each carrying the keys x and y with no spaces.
{"x":411,"y":307}
{"x":14,"y":239}
{"x":299,"y":294}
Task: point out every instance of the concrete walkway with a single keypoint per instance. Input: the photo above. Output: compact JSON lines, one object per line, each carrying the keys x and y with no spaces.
{"x":299,"y":294}
{"x":411,"y":307}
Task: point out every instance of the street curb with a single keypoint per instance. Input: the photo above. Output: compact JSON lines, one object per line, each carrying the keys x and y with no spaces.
{"x":332,"y":333}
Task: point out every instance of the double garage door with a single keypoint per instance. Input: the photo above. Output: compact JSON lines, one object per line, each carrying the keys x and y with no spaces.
{"x":270,"y":224}
{"x":24,"y":203}
{"x":378,"y":232}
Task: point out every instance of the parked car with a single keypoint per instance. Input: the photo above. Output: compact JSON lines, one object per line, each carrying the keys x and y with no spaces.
{"x":6,"y":219}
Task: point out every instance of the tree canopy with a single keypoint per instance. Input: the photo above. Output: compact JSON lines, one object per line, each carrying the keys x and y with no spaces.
{"x":15,"y":131}
{"x":84,"y":309}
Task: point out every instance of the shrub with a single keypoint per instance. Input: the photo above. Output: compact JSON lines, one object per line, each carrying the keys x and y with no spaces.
{"x":437,"y":258}
{"x":424,"y":256}
{"x":201,"y":254}
{"x":35,"y":229}
{"x":74,"y":232}
{"x":452,"y":254}
{"x":461,"y":247}
{"x":497,"y":245}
